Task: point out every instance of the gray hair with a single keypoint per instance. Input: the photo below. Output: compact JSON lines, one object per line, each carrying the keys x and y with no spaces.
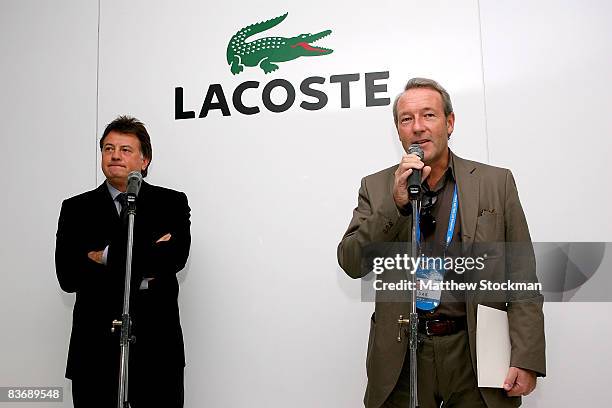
{"x":425,"y":83}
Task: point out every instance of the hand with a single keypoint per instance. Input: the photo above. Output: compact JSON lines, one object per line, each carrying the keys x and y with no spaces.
{"x":404,"y":170}
{"x":96,"y":256}
{"x":519,"y":382}
{"x":165,"y":238}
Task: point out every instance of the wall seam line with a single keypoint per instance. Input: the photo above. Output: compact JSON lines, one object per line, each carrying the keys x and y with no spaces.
{"x":484,"y":89}
{"x":97,"y":100}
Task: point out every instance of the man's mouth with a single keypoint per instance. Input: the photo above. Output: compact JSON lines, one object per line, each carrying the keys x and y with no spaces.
{"x":422,"y":141}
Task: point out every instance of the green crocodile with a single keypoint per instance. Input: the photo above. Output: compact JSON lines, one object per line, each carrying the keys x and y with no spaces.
{"x":266,"y":51}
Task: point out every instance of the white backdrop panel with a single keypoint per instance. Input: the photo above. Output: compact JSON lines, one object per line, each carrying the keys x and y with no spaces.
{"x":267,"y":313}
{"x":48,"y":105}
{"x":547,"y":80}
{"x":547,"y":77}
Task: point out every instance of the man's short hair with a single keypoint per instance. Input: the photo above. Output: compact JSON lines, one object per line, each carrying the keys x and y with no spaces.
{"x":132,"y":126}
{"x":425,"y":83}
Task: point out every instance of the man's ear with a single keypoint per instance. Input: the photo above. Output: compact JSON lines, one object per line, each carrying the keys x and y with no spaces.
{"x":450,"y":124}
{"x":145,"y":164}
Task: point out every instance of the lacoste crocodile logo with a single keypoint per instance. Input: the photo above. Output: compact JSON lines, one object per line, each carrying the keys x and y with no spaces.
{"x":265,"y":52}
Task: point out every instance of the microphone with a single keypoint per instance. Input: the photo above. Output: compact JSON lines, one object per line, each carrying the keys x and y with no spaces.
{"x":414,"y":180}
{"x":133,"y":184}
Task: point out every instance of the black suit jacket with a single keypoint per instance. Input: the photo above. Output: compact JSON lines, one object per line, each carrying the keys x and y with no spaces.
{"x":90,"y":222}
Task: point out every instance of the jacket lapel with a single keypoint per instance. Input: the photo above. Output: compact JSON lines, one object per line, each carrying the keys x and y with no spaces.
{"x":108,"y":205}
{"x":468,"y":185}
{"x":405,"y":233}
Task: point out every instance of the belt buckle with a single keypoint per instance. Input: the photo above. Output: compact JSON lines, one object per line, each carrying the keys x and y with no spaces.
{"x":427,"y":326}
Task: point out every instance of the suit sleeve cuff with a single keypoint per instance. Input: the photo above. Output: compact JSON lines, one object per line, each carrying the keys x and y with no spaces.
{"x":105,"y":255}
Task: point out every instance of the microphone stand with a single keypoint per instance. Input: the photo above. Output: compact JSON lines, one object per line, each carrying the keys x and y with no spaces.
{"x":414,"y":192}
{"x":126,"y":323}
{"x":414,"y":316}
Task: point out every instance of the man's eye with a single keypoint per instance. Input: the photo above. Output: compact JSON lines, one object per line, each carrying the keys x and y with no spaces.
{"x":108,"y":149}
{"x":429,"y":115}
{"x":126,"y":150}
{"x":406,"y":119}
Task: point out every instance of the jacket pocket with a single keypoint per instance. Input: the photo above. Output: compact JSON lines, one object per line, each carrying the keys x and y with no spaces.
{"x":490,"y":228}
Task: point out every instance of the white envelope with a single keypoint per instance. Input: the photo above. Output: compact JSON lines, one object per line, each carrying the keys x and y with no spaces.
{"x":492,"y":347}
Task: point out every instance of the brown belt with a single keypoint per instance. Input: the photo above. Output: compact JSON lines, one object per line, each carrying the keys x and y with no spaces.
{"x":441,"y":327}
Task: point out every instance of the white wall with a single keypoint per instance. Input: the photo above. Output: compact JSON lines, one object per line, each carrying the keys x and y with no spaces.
{"x":267,"y":313}
{"x":265,"y":308}
{"x":548,"y":87}
{"x":48,"y":130}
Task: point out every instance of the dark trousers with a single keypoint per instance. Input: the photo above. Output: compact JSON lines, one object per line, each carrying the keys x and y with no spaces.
{"x":445,"y":375}
{"x":94,"y":391}
{"x":148,"y":387}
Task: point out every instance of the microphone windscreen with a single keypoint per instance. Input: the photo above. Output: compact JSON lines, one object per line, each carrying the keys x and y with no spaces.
{"x":134,"y":182}
{"x":416,"y":149}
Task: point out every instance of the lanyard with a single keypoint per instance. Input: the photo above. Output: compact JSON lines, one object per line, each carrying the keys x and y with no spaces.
{"x":452,"y":218}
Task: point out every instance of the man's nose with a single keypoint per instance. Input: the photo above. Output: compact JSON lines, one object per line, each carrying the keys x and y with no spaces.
{"x":418,"y":124}
{"x":115,"y":155}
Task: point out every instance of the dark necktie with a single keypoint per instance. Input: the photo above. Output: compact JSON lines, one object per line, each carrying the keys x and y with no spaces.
{"x":122,"y":199}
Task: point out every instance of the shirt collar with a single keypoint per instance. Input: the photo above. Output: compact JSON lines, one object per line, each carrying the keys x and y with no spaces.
{"x":448,"y":174}
{"x":112,"y":190}
{"x":451,"y":163}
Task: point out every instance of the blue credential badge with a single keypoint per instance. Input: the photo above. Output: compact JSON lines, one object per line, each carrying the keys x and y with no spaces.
{"x":428,"y":288}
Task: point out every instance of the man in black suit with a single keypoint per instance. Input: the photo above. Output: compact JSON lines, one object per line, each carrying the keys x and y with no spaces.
{"x":90,"y":260}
